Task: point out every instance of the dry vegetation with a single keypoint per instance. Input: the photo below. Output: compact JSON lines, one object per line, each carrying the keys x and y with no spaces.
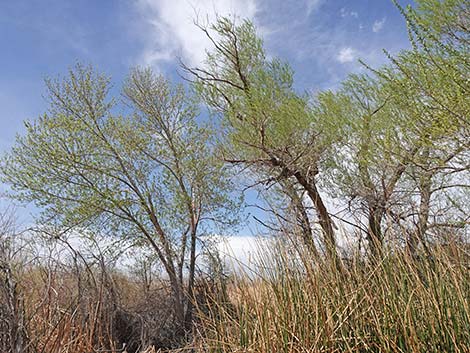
{"x":292,"y":304}
{"x":395,"y":305}
{"x":382,"y":164}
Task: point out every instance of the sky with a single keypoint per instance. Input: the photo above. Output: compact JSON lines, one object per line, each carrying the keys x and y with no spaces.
{"x":321,"y":39}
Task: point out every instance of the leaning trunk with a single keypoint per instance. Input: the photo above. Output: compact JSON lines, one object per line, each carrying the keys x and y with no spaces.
{"x":302,"y":219}
{"x":324,"y":218}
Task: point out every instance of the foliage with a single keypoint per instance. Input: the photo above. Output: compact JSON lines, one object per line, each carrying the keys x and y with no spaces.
{"x":146,"y":175}
{"x":268,"y":127}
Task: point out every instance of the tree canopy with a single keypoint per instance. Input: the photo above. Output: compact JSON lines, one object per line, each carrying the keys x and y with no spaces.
{"x":150,"y":175}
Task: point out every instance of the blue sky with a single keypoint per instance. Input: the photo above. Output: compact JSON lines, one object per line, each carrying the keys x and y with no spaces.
{"x":322,"y":39}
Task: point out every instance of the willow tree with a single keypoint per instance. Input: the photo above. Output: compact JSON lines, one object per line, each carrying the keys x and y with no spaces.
{"x":150,"y":175}
{"x":435,"y":77}
{"x":371,"y":153}
{"x":402,"y":146}
{"x":266,"y":125}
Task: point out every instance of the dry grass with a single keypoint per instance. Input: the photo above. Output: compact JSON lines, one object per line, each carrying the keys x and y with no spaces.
{"x":394,"y":305}
{"x":293,"y":304}
{"x":65,"y":311}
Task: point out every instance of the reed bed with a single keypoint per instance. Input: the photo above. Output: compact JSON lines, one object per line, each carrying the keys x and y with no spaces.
{"x":295,"y":304}
{"x":287,"y":301}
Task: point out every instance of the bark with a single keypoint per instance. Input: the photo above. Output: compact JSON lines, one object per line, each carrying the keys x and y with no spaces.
{"x":418,"y":235}
{"x":12,"y":313}
{"x":324,"y":218}
{"x":303,"y":221}
{"x":375,"y":236}
{"x":301,"y":218}
{"x":192,"y":269}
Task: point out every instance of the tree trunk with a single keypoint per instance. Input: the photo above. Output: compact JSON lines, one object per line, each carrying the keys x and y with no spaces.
{"x":324,"y":218}
{"x":418,"y":235}
{"x":13,"y":312}
{"x":302,"y":218}
{"x":375,"y":236}
{"x":190,"y":291}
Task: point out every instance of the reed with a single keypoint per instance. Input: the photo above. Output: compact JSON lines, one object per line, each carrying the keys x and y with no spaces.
{"x":294,"y":304}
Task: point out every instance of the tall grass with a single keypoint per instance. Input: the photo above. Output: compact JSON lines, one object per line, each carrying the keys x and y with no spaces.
{"x":287,"y":302}
{"x":293,"y":304}
{"x":64,"y":311}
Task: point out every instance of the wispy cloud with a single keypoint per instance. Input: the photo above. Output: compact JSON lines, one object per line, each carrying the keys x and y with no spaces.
{"x":378,"y":25}
{"x":322,"y":47}
{"x":312,"y":5}
{"x":172,"y":32}
{"x":346,"y":55}
{"x":345,"y":13}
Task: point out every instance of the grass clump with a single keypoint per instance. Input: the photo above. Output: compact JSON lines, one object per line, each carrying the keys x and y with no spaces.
{"x":293,"y":304}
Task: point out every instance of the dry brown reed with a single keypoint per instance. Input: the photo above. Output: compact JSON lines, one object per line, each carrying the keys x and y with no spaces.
{"x":296,"y":304}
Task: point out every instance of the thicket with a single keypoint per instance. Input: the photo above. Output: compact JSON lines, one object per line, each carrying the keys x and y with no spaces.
{"x":385,"y":269}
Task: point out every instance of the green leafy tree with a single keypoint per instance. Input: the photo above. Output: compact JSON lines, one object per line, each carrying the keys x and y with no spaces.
{"x":401,"y":132}
{"x":150,"y":175}
{"x":367,"y":162}
{"x":435,"y":75}
{"x":266,"y":125}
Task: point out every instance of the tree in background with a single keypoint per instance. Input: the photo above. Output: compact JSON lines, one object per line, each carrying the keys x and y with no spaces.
{"x":13,"y":335}
{"x":150,"y":175}
{"x":401,"y":152}
{"x":435,"y":75}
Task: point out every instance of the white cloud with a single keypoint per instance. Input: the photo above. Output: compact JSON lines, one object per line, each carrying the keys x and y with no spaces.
{"x":171,"y":30}
{"x":346,"y":55}
{"x":239,"y":250}
{"x":378,"y":25}
{"x":345,"y":13}
{"x":313,"y":5}
{"x":246,"y":253}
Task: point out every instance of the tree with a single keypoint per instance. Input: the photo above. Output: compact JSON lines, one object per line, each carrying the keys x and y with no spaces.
{"x":267,"y":126}
{"x":149,"y":175}
{"x":371,"y":152}
{"x":13,"y":335}
{"x":435,"y":74}
{"x":401,"y":132}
